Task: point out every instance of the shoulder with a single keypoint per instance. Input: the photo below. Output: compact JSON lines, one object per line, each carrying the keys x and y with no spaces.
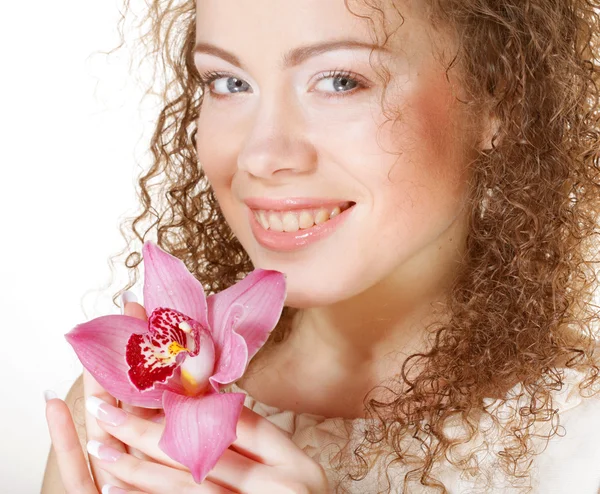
{"x":75,"y":392}
{"x":571,"y":461}
{"x":565,"y":461}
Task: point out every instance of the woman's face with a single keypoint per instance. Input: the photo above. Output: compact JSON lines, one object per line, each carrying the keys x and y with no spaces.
{"x":280,"y":130}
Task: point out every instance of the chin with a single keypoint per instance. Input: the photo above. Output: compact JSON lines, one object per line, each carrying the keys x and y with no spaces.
{"x":309,"y":296}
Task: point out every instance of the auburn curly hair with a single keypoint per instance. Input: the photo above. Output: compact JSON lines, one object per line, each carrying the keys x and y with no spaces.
{"x":522,"y":305}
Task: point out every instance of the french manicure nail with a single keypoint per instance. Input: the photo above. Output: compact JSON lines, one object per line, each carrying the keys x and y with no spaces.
{"x":102,"y":451}
{"x":128,"y":297}
{"x":49,"y":395}
{"x":105,"y":412}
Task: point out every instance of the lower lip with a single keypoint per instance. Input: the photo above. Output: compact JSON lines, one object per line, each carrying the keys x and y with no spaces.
{"x":290,"y":241}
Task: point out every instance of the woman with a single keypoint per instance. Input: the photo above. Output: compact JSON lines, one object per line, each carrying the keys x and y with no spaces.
{"x":426,"y":176}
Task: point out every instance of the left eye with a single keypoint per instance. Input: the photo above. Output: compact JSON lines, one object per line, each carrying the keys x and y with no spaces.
{"x":343,"y":82}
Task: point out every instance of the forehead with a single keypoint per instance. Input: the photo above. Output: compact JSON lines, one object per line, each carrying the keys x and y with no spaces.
{"x":263,"y":22}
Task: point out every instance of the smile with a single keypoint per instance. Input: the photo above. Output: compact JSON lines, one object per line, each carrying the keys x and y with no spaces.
{"x":302,"y":219}
{"x":293,"y":229}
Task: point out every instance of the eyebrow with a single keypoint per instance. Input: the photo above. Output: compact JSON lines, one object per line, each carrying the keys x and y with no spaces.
{"x":293,"y":57}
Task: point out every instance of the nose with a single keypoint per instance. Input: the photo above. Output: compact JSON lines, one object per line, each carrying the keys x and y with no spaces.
{"x":277,"y":146}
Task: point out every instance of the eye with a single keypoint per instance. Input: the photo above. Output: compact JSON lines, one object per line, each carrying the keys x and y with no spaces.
{"x":230,"y":83}
{"x":344,"y":82}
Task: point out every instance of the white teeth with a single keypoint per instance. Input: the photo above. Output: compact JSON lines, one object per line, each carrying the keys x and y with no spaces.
{"x":322,"y":216}
{"x":262,"y":219}
{"x":306,"y":220}
{"x":290,"y":222}
{"x":275,"y":223}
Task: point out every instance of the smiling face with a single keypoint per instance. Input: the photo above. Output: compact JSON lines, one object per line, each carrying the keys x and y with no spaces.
{"x":269,"y":129}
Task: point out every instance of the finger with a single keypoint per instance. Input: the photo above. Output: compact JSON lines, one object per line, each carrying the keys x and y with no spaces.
{"x":95,"y":432}
{"x":137,"y":433}
{"x":112,"y":489}
{"x":257,"y":438}
{"x":263,"y":441}
{"x":242,"y":474}
{"x":234,"y":470}
{"x":144,"y":413}
{"x":70,"y":458}
{"x":153,"y":478}
{"x":133,"y":309}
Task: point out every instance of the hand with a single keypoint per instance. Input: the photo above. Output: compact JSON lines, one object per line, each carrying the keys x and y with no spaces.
{"x":64,"y":435}
{"x":72,"y":464}
{"x":263,"y":459}
{"x":95,"y":433}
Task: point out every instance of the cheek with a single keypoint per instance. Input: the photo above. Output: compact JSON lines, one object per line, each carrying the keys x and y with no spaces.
{"x":217,"y":152}
{"x":217,"y":161}
{"x":424,"y":184}
{"x":435,"y":141}
{"x":432,"y":117}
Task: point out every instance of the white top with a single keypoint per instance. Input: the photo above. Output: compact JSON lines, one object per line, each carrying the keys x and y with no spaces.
{"x":569,"y":465}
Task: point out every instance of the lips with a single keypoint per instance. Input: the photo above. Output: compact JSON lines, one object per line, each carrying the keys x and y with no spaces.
{"x":289,"y":241}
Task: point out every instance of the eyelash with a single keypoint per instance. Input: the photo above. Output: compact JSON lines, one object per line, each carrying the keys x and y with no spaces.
{"x":206,"y":78}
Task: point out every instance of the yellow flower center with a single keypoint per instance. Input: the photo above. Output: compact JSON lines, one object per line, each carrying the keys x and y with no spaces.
{"x":175,"y":348}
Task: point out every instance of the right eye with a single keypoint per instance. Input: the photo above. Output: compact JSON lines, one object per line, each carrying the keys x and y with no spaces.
{"x":229,"y":85}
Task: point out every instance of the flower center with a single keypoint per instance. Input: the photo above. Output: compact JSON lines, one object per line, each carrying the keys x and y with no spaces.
{"x":174,"y":349}
{"x":153,"y":356}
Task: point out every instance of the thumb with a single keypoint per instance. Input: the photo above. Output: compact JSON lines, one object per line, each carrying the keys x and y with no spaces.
{"x":130,"y":306}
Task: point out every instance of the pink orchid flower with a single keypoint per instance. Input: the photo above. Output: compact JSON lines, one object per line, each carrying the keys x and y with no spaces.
{"x":179,"y":359}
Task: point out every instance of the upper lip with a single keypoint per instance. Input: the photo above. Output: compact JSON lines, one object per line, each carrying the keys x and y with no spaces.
{"x":290,"y":203}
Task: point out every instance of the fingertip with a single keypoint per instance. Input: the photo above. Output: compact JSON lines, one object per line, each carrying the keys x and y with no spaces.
{"x":54,"y":405}
{"x":134,"y":309}
{"x":131,"y":307}
{"x":49,"y":395}
{"x":55,"y":411}
{"x":128,"y":297}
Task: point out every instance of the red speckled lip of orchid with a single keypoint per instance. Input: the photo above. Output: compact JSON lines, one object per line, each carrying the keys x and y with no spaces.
{"x":173,"y":340}
{"x":178,"y":360}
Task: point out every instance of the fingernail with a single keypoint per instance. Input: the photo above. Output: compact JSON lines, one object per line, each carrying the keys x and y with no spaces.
{"x":128,"y":297}
{"x":102,"y":451}
{"x":111,"y":489}
{"x":49,"y":395}
{"x":105,"y":412}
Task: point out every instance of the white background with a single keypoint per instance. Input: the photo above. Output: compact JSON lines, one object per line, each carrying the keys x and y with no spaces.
{"x":72,"y":147}
{"x":72,"y":143}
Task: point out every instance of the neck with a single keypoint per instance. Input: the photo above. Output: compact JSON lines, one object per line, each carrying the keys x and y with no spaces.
{"x":334,"y":355}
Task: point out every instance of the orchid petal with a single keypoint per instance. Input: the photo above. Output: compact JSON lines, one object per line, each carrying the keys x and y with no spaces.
{"x":100,"y":346}
{"x":168,"y":283}
{"x":241,"y":318}
{"x":196,"y":370}
{"x":198,"y":430}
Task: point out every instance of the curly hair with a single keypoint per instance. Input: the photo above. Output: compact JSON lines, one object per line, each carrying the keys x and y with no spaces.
{"x":522,"y":305}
